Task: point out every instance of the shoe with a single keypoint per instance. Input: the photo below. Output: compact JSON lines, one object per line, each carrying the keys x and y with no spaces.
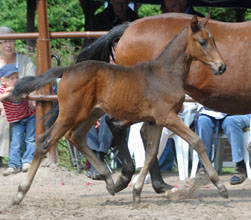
{"x":11,"y":170}
{"x":202,"y":171}
{"x":239,"y":176}
{"x":25,"y":167}
{"x":93,"y":174}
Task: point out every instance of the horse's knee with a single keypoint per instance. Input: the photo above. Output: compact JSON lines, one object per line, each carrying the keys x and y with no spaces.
{"x":198,"y":146}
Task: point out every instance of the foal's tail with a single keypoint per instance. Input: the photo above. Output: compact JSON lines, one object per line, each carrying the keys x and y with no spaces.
{"x":29,"y":84}
{"x":101,"y":49}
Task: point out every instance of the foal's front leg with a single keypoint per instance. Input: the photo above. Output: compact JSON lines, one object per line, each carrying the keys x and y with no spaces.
{"x":176,"y":125}
{"x":154,"y":133}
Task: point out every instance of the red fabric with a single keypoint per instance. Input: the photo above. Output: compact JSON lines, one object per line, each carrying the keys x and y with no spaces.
{"x":16,"y":111}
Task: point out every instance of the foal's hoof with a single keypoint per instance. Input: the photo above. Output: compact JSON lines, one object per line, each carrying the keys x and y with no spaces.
{"x":161,"y":187}
{"x":223,"y":193}
{"x":122,"y":182}
{"x":111,"y":190}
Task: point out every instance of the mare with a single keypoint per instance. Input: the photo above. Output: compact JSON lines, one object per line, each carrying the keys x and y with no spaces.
{"x":144,"y":39}
{"x":136,"y":93}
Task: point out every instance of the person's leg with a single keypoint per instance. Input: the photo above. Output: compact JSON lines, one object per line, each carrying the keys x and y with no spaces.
{"x":232,"y":126}
{"x":30,"y":133}
{"x":92,"y":140}
{"x":14,"y":163}
{"x":206,"y":127}
{"x":105,"y":137}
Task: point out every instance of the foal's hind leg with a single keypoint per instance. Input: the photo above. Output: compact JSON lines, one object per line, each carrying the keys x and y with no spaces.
{"x":47,"y":140}
{"x":158,"y":183}
{"x":119,"y":133}
{"x":176,"y":125}
{"x":151,"y":154}
{"x":77,"y":137}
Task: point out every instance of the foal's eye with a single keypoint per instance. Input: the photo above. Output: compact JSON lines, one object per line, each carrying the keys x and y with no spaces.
{"x":203,"y":42}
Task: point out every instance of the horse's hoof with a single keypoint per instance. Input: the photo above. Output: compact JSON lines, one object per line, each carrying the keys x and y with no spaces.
{"x":224,"y":193}
{"x":136,"y":199}
{"x":111,"y":190}
{"x":122,"y":182}
{"x":161,"y":187}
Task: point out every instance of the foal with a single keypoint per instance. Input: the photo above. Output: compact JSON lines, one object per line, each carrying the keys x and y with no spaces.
{"x":151,"y":91}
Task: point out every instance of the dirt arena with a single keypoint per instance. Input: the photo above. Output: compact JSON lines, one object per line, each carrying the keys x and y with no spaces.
{"x":60,"y":194}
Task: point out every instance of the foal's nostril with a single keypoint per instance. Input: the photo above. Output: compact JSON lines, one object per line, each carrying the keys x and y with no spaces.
{"x":222,"y":68}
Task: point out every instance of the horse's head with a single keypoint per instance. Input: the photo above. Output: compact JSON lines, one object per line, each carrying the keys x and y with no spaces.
{"x":201,"y":46}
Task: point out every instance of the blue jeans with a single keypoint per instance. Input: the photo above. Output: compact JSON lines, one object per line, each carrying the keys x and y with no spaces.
{"x":23,"y":131}
{"x":232,"y":126}
{"x":100,"y":139}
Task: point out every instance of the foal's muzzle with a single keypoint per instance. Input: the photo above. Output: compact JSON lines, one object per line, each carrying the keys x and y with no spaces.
{"x":219,"y":68}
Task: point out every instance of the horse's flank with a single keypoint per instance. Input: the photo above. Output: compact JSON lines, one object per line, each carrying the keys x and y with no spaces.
{"x":231,"y":92}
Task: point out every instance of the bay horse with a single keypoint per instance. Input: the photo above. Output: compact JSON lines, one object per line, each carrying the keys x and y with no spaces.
{"x":145,"y":38}
{"x":150,"y":91}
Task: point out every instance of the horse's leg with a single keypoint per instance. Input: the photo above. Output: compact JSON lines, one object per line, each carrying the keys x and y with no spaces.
{"x":175,"y":124}
{"x":77,"y":137}
{"x":154,"y":133}
{"x":119,"y":132}
{"x":158,"y":183}
{"x":47,"y":140}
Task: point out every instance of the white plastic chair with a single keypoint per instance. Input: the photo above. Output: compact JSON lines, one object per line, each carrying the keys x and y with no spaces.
{"x":181,"y":146}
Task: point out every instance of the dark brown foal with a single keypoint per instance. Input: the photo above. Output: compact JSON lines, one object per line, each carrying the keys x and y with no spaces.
{"x":151,"y":91}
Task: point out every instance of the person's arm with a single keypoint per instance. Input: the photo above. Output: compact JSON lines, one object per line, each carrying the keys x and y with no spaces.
{"x":6,"y":93}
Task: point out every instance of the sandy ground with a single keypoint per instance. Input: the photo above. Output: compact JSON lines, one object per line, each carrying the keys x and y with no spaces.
{"x":60,"y":194}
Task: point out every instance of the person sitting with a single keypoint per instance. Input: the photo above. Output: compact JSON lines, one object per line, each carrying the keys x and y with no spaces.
{"x":99,"y":139}
{"x":117,"y":12}
{"x":210,"y":121}
{"x":21,"y":115}
{"x":179,"y":6}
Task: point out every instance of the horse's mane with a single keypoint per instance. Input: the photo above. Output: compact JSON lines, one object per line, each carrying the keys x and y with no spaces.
{"x":101,"y":49}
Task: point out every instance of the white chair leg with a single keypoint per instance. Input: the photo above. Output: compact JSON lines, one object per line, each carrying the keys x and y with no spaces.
{"x":180,"y":158}
{"x":194,"y":164}
{"x":185,"y":147}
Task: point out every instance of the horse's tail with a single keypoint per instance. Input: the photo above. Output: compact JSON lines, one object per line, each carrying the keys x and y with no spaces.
{"x":101,"y":49}
{"x":29,"y":84}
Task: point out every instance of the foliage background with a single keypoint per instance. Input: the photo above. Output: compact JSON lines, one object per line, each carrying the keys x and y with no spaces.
{"x":65,"y":15}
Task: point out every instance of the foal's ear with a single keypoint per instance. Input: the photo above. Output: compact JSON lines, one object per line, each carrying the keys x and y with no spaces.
{"x":204,"y":21}
{"x":195,"y":26}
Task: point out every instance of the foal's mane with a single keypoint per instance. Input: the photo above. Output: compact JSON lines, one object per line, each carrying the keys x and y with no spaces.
{"x":170,"y":43}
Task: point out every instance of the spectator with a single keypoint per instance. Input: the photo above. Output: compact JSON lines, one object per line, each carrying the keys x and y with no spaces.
{"x":210,"y":121}
{"x":4,"y":135}
{"x":21,"y":115}
{"x":99,"y":138}
{"x":117,"y":12}
{"x":179,"y":6}
{"x":25,"y":67}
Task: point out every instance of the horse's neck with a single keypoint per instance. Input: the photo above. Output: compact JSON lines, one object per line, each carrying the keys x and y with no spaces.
{"x":174,"y":60}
